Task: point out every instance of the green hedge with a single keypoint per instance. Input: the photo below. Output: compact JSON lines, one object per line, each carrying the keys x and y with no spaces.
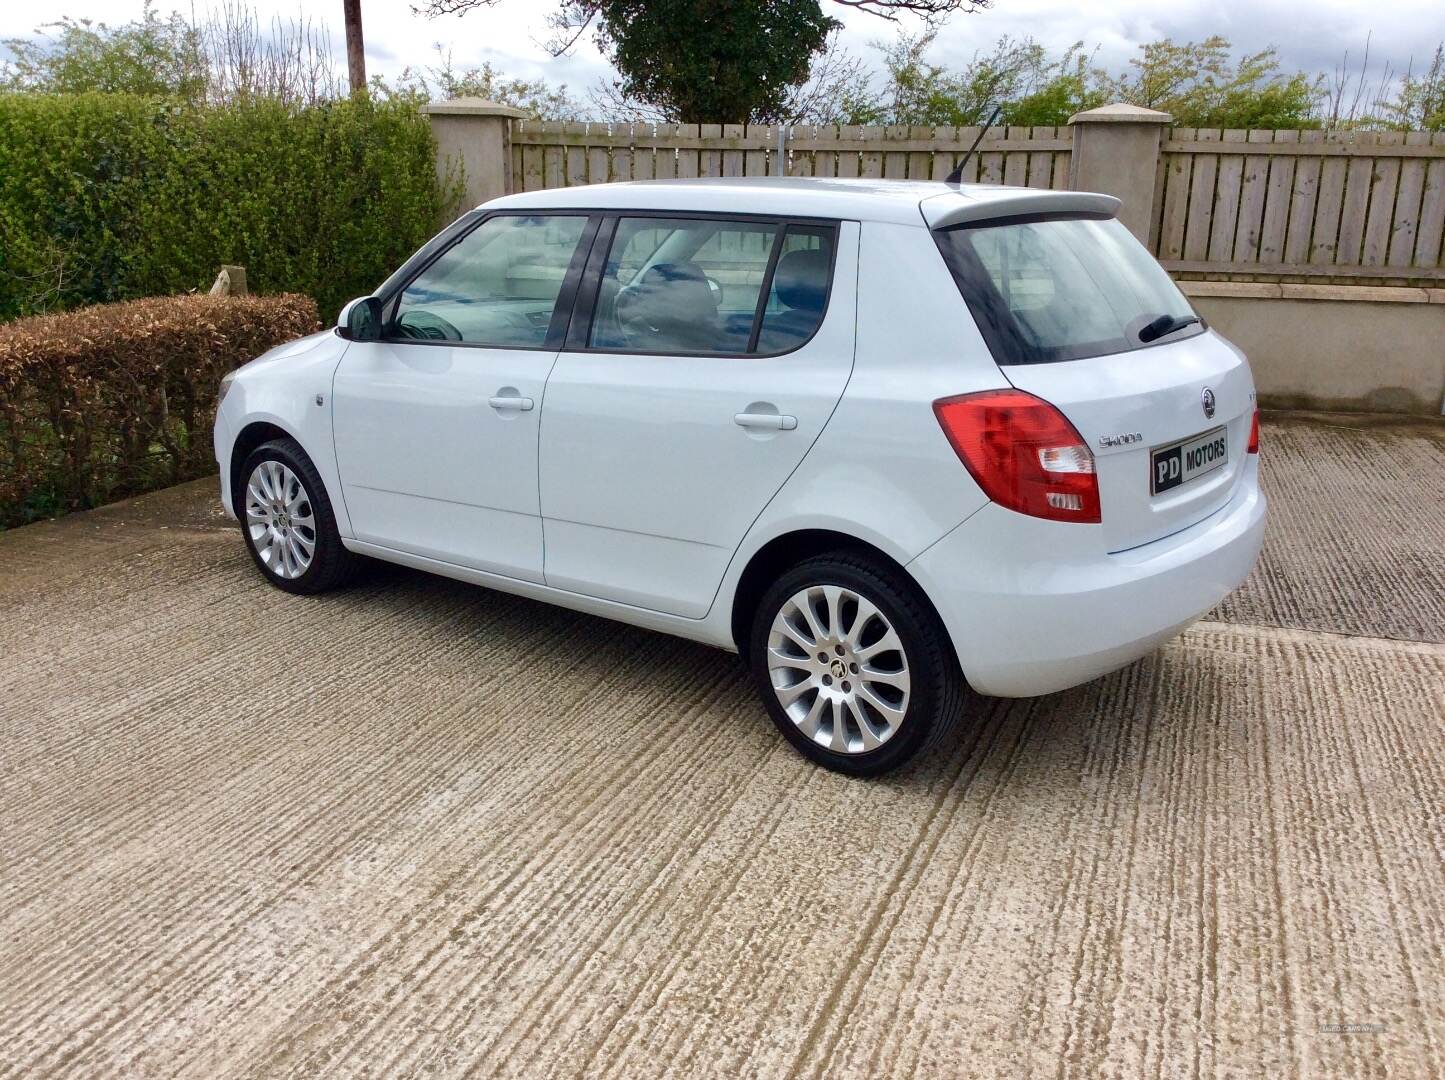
{"x":108,"y":197}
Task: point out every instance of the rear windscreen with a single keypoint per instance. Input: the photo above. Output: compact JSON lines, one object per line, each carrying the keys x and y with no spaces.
{"x":1044,"y":290}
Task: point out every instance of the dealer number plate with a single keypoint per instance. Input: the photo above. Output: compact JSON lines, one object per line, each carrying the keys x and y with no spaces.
{"x":1170,"y":466}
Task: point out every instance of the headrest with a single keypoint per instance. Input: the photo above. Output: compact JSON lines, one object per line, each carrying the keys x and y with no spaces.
{"x":801,"y":279}
{"x":676,"y":302}
{"x":675,"y":293}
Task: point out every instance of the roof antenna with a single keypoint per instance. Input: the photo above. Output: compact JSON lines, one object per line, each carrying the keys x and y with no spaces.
{"x":956,"y":177}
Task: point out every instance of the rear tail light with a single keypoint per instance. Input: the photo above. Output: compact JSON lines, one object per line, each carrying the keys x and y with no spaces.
{"x":1024,"y":453}
{"x":1254,"y":434}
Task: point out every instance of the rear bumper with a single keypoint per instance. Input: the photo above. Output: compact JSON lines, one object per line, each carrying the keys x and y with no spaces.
{"x":1028,"y":616}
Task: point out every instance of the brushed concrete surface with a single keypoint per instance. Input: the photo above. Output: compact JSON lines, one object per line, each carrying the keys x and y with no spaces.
{"x":422,"y":828}
{"x":1356,"y":537}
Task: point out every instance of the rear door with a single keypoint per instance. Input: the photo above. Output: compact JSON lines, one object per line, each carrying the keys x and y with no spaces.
{"x":1077,"y":312}
{"x":713,"y":353}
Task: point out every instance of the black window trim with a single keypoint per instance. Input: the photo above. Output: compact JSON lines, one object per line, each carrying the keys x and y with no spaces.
{"x":585,"y":305}
{"x":1028,"y":219}
{"x":1000,"y":340}
{"x":584,"y":302}
{"x":391,"y":289}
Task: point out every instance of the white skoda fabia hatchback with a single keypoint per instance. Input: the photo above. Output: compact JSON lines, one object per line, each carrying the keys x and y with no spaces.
{"x":882,"y":439}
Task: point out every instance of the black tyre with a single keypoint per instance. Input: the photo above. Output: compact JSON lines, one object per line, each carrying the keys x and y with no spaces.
{"x":853,"y":664}
{"x":287,"y":520}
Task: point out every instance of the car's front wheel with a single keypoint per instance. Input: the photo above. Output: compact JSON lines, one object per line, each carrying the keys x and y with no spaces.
{"x":853,"y":664}
{"x":287,"y":520}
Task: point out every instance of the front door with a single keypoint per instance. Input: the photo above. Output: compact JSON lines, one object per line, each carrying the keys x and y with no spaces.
{"x":717,"y":350}
{"x":436,"y":424}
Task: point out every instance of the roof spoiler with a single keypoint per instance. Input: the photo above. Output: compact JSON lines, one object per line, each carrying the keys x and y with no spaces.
{"x":943,"y":211}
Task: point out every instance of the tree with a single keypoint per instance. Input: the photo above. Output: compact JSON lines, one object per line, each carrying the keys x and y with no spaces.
{"x":1410,"y":102}
{"x":736,"y":63}
{"x":919,"y":92}
{"x":1420,"y":104}
{"x":1064,"y":87}
{"x":1200,"y":85}
{"x":577,"y":14}
{"x":838,"y":91}
{"x":537,"y":98}
{"x":712,"y":61}
{"x":1019,"y":75}
{"x":232,"y":56}
{"x":152,"y":56}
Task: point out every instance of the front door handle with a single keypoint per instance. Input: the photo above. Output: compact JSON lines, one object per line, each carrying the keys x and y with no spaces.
{"x":511,"y":401}
{"x":765,"y":421}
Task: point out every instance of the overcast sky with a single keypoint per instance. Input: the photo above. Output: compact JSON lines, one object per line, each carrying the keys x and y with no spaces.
{"x":1311,"y":36}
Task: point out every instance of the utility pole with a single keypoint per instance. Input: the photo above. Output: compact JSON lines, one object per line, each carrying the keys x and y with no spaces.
{"x":355,"y":53}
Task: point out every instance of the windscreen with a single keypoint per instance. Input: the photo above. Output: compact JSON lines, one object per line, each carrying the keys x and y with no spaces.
{"x":1044,"y":290}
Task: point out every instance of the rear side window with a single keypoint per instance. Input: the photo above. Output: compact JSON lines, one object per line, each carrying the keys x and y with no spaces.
{"x":799,"y":289}
{"x":1063,"y":289}
{"x":711,"y":285}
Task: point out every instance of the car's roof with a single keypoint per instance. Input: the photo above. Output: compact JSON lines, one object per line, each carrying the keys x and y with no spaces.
{"x":901,"y":201}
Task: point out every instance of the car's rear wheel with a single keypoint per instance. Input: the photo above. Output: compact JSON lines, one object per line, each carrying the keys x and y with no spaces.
{"x":853,"y":664}
{"x":287,"y":520}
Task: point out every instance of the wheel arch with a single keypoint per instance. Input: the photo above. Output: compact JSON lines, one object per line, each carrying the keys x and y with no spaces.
{"x":787,"y":549}
{"x":247,"y":439}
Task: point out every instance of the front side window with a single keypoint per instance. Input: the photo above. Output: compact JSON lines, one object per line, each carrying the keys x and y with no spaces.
{"x":497,"y":286}
{"x":1063,"y":289}
{"x":685,"y":285}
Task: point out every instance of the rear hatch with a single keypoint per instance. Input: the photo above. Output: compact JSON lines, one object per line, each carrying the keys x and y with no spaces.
{"x":1144,"y":414}
{"x":1077,"y":313}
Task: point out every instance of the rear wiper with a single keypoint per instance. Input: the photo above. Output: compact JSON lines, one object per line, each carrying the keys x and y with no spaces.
{"x":1166,"y":324}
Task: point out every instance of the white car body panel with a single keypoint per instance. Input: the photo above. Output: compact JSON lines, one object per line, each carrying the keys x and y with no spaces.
{"x":281,"y":388}
{"x":427,"y":465}
{"x":1031,"y":611}
{"x":1155,"y":393}
{"x":884,"y":428}
{"x":628,"y":492}
{"x":713,"y":630}
{"x":649,"y":484}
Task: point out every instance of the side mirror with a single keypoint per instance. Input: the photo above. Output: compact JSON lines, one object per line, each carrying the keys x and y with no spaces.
{"x":360,"y":320}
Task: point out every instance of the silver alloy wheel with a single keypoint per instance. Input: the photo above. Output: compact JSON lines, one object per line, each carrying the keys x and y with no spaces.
{"x":839,"y":669}
{"x":280,"y":519}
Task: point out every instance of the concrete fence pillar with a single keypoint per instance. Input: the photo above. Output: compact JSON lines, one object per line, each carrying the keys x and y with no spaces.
{"x":1116,"y":151}
{"x":475,"y":134}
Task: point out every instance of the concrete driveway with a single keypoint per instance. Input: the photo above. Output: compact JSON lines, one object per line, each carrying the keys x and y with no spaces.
{"x":421,"y":827}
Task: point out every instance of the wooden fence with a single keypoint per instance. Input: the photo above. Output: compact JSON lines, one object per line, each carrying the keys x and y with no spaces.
{"x":1302,"y":203}
{"x":554,"y":154}
{"x":1358,"y":207}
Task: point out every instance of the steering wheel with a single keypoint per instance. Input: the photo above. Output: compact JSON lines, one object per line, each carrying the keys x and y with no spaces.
{"x":425,"y":325}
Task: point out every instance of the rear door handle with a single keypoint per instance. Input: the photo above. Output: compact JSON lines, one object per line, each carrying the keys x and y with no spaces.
{"x":766,"y":421}
{"x":520,"y":404}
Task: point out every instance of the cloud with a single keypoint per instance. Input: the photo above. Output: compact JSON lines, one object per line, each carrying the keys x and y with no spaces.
{"x":1309,"y":36}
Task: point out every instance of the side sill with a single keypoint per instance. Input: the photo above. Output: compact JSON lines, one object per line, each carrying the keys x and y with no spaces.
{"x":700,"y":630}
